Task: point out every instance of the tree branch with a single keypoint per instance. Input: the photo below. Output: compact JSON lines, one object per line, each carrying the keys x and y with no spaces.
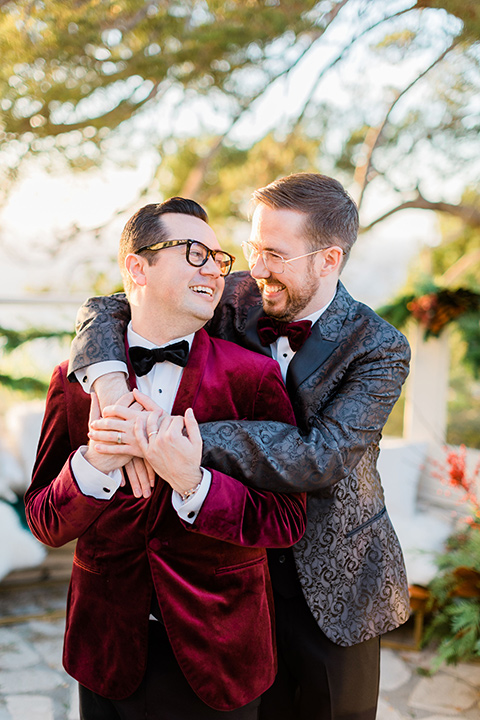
{"x":339,"y":57}
{"x":194,"y":180}
{"x":468,"y":213}
{"x":458,"y":268}
{"x":112,"y":118}
{"x":374,"y":134}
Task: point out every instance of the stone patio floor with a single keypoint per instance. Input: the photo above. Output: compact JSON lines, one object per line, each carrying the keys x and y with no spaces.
{"x":34,"y":686}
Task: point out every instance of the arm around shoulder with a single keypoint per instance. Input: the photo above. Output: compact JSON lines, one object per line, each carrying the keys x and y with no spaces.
{"x":101,"y":324}
{"x":336,"y":426}
{"x":236,"y":513}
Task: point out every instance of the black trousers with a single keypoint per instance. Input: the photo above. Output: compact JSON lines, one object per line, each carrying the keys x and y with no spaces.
{"x":163,"y":694}
{"x":318,"y":680}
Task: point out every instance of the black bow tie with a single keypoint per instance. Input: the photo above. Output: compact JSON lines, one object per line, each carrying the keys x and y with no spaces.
{"x":270,"y":329}
{"x":143,"y":359}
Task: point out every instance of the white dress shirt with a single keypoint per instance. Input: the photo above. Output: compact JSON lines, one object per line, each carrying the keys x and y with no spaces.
{"x":160,"y":384}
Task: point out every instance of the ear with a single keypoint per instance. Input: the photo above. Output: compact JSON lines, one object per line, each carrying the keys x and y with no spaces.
{"x":331,"y":260}
{"x":135,"y":265}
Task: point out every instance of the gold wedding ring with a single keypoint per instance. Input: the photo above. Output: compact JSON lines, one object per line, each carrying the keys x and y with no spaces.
{"x":119,"y":439}
{"x":154,"y":432}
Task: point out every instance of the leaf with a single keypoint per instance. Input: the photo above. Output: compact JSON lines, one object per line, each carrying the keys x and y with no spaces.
{"x":15,"y":338}
{"x":27,"y":384}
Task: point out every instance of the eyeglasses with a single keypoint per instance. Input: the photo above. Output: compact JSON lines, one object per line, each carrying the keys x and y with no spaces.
{"x":197,"y":254}
{"x":273,"y":262}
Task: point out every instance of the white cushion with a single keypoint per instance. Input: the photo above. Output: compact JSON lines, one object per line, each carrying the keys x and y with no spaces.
{"x":18,"y":548}
{"x":421,"y":537}
{"x":421,"y":534}
{"x":400,"y":464}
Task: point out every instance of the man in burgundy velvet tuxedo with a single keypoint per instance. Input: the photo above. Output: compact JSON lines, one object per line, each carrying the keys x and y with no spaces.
{"x":191,"y":555}
{"x":343,"y":584}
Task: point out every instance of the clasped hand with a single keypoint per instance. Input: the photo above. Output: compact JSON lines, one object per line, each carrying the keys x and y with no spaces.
{"x":171,"y":446}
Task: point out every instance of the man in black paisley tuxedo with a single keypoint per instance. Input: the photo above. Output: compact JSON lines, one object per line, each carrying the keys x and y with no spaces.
{"x":344,"y":584}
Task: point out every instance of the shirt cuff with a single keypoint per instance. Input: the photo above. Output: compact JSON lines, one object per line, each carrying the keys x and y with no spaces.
{"x":91,"y":481}
{"x":188,"y":509}
{"x":87,"y":375}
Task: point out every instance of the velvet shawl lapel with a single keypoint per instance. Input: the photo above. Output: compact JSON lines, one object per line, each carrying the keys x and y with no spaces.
{"x":192,"y":373}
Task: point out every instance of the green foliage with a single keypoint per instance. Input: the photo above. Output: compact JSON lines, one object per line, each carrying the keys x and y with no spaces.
{"x":463,"y":401}
{"x":27,"y":385}
{"x":71,"y":73}
{"x":468,"y":325}
{"x":459,"y":628}
{"x":11,"y":340}
{"x":89,"y":66}
{"x":396,"y":312}
{"x":458,"y":255}
{"x":434,"y":308}
{"x":455,"y":600}
{"x":463,"y":550}
{"x":233,"y":173}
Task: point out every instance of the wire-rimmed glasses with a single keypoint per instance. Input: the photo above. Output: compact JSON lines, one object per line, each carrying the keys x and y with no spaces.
{"x":273,"y":262}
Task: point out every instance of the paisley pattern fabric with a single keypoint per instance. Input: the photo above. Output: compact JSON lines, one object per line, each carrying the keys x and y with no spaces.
{"x":101,"y":331}
{"x":343,"y":384}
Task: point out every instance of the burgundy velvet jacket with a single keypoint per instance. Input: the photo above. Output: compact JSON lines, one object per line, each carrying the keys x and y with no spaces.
{"x":211,"y":578}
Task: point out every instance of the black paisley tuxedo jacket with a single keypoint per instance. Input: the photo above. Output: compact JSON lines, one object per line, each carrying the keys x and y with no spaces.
{"x":343,"y":384}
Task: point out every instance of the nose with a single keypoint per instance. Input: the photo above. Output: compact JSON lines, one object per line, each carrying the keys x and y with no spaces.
{"x":210,"y":268}
{"x":258,"y":269}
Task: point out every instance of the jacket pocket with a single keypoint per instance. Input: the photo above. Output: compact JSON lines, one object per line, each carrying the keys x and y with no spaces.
{"x":367,"y":523}
{"x":84,"y":566}
{"x":241,"y":566}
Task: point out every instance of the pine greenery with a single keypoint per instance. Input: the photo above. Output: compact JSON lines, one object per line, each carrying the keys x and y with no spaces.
{"x":455,"y":600}
{"x":11,"y":340}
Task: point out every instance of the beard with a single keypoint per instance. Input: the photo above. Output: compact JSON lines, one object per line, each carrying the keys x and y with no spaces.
{"x":295,"y":299}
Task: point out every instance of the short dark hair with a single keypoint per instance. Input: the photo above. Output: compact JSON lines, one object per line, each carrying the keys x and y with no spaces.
{"x":331,"y":214}
{"x":146,"y":228}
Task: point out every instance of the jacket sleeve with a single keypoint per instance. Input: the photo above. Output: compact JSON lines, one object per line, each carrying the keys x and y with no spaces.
{"x":102,"y":320}
{"x":100,"y":327}
{"x":244,"y":516}
{"x":56,"y":510}
{"x":279,"y":457}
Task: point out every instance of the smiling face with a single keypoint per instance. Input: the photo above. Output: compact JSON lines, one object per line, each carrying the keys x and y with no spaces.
{"x":172,"y":298}
{"x":306,"y":284}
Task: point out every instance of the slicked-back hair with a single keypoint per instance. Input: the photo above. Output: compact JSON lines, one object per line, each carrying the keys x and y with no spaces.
{"x":146,"y":228}
{"x":331,"y":214}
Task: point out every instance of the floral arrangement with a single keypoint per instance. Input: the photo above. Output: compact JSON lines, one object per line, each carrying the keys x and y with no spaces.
{"x":455,"y":592}
{"x":434,"y":308}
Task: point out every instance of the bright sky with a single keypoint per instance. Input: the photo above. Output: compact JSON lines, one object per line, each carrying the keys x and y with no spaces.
{"x":44,"y":207}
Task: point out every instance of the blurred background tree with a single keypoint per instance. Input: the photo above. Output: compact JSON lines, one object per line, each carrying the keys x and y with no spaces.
{"x":388,"y":102}
{"x":79,"y":80}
